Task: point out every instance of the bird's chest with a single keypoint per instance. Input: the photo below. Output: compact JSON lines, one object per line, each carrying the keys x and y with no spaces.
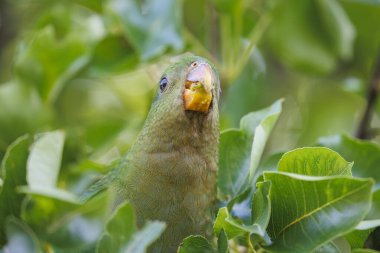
{"x":175,"y":187}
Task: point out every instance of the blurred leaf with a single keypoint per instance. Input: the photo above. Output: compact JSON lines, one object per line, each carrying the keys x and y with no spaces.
{"x":301,"y":45}
{"x":13,"y":171}
{"x":357,"y":238}
{"x":365,"y":16}
{"x":122,"y":235}
{"x":301,"y":203}
{"x":339,"y":27}
{"x":34,"y":63}
{"x":136,"y":19}
{"x":145,"y":237}
{"x":317,"y":161}
{"x":365,"y":154}
{"x":21,"y":237}
{"x":374,"y":213}
{"x":364,"y":251}
{"x":195,"y":244}
{"x":368,"y":224}
{"x":44,"y":163}
{"x":112,"y":55}
{"x":21,"y":112}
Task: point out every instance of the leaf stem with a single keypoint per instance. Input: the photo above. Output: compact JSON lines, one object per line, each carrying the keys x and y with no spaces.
{"x":254,"y":38}
{"x":251,"y":248}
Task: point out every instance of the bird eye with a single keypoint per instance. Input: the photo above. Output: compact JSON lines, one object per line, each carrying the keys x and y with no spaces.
{"x":194,"y":64}
{"x":163,"y":83}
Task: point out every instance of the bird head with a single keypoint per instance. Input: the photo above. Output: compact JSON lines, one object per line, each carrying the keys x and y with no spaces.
{"x":190,"y":85}
{"x":186,"y":107}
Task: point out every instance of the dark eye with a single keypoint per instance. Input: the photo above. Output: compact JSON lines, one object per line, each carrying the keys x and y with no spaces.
{"x":163,"y":83}
{"x":194,"y":64}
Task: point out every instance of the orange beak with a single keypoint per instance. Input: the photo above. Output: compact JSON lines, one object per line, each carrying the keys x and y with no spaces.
{"x":198,"y":89}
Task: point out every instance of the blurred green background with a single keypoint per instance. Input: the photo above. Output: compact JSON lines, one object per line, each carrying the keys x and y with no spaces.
{"x":91,"y":68}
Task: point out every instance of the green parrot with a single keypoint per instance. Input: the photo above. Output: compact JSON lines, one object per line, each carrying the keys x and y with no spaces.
{"x":169,"y":174}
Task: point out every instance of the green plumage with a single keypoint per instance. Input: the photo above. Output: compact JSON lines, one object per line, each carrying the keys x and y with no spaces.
{"x":169,"y":174}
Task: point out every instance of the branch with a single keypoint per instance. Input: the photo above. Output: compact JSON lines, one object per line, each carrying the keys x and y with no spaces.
{"x":364,"y":130}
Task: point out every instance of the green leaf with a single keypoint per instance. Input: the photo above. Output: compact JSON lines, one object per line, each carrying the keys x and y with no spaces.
{"x":339,"y":245}
{"x":300,"y":204}
{"x":122,"y":235}
{"x":48,"y":64}
{"x":365,"y":154}
{"x":364,"y":251}
{"x":136,"y":19}
{"x":340,"y":30}
{"x":374,"y":213}
{"x":316,"y":161}
{"x":234,"y":228}
{"x":195,"y":244}
{"x":145,"y":237}
{"x":300,"y":45}
{"x":261,"y":135}
{"x":368,"y":224}
{"x":221,"y":224}
{"x":234,"y":155}
{"x":261,"y":205}
{"x":357,"y":238}
{"x":13,"y":170}
{"x":20,"y":237}
{"x":239,"y":156}
{"x":222,"y":242}
{"x":44,"y":163}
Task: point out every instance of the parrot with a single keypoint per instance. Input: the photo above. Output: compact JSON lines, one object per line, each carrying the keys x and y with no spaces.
{"x":169,"y":173}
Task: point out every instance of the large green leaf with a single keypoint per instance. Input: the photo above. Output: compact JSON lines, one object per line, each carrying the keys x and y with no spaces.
{"x":310,"y":211}
{"x":365,"y":154}
{"x":13,"y":170}
{"x":150,"y":26}
{"x":234,"y":155}
{"x":317,"y":161}
{"x":239,"y":156}
{"x":195,"y":244}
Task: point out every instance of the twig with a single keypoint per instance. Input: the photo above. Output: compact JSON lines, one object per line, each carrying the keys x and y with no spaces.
{"x":364,"y":131}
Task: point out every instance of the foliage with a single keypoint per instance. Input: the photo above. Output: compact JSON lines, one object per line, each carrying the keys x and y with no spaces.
{"x":77,"y":79}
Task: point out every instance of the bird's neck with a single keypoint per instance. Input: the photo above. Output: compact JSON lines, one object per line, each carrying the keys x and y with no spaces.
{"x":183,"y":130}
